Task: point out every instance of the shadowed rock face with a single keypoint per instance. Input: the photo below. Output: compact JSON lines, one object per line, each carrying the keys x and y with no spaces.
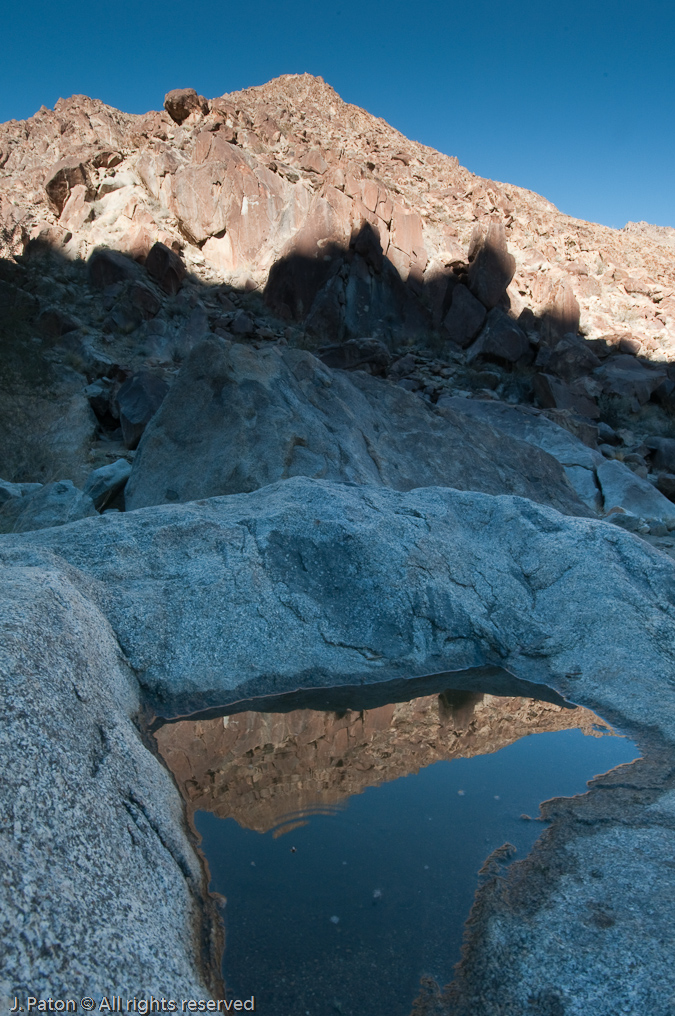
{"x":288,"y":169}
{"x":237,"y":419}
{"x":282,"y":214}
{"x":264,"y":768}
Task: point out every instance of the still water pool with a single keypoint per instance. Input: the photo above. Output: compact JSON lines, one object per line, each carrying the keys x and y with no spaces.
{"x":348,"y":845}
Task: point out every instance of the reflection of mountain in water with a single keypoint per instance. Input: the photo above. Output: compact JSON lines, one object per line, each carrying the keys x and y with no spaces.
{"x":263,"y":768}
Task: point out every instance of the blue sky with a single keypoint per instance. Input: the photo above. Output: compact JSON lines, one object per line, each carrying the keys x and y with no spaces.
{"x":575,"y":101}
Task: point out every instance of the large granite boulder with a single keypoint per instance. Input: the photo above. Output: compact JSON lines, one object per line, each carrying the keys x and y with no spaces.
{"x":101,"y":889}
{"x":181,"y":102}
{"x":237,"y":419}
{"x":501,"y":340}
{"x":309,"y":582}
{"x":600,"y":483}
{"x":54,"y":504}
{"x":622,"y":488}
{"x":527,"y":424}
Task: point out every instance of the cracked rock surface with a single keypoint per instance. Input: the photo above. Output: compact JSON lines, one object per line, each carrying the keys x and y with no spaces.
{"x":338,"y":582}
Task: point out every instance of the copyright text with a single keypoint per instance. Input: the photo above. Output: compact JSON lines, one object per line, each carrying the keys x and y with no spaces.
{"x":118,"y":1004}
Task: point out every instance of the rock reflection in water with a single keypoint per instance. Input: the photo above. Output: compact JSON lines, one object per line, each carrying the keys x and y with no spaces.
{"x":267,"y":770}
{"x":372,"y":889}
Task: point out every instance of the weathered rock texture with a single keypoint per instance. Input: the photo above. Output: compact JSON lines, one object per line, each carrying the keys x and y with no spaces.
{"x":238,"y":419}
{"x":309,"y":583}
{"x":600,"y":484}
{"x":288,"y":168}
{"x":583,"y":924}
{"x":266,"y":769}
{"x":341,"y":583}
{"x":101,"y":890}
{"x":279,"y":215}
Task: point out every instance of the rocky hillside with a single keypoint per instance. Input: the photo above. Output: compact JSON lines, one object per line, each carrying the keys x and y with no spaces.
{"x":288,"y":168}
{"x":283,"y":216}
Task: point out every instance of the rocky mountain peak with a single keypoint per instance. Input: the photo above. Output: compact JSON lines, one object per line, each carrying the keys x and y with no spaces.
{"x":281,"y":214}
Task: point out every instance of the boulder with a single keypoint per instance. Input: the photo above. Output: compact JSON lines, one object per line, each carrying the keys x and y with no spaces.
{"x":403,"y":366}
{"x":568,"y":358}
{"x":622,"y":488}
{"x":104,"y":484}
{"x":181,"y":102}
{"x":52,"y":323}
{"x":63,"y":178}
{"x":663,"y":452}
{"x":492,"y":267}
{"x":666,"y":484}
{"x":628,"y":378}
{"x":607,"y":435}
{"x":100,"y":884}
{"x":143,"y":299}
{"x":307,"y":583}
{"x":54,"y":504}
{"x":242,"y":323}
{"x":500,"y":341}
{"x":13,"y":499}
{"x":554,"y":394}
{"x":136,"y":303}
{"x":578,"y":460}
{"x":106,"y":267}
{"x":302,"y":584}
{"x":15,"y":491}
{"x":166,"y":268}
{"x":123,"y":319}
{"x":47,"y":431}
{"x":136,"y":402}
{"x":465,"y":318}
{"x":664,"y":395}
{"x":237,"y":418}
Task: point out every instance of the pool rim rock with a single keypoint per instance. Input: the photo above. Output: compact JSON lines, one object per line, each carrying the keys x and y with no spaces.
{"x":613,"y":651}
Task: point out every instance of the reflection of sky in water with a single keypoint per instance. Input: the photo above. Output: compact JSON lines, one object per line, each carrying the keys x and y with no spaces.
{"x":347,"y":910}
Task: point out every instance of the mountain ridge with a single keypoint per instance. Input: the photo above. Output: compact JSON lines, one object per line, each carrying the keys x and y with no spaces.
{"x":621,"y":279}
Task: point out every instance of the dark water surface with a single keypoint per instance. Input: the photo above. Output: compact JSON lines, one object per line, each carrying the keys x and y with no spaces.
{"x":349,"y":885}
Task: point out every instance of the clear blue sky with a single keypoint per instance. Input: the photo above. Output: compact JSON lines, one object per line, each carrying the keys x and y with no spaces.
{"x":575,"y":100}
